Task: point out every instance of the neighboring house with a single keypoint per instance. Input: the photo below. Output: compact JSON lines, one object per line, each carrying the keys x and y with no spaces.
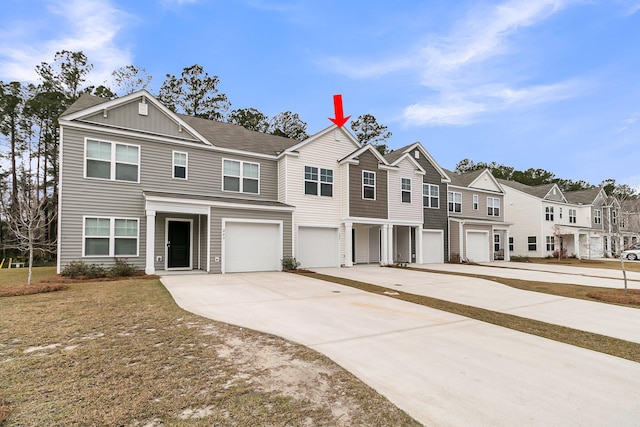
{"x":546,"y":220}
{"x":168,"y":191}
{"x":435,"y":223}
{"x":478,"y":229}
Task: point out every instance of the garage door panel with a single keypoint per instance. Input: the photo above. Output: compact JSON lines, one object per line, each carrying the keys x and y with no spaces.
{"x":318,"y":247}
{"x":432,"y":247}
{"x":252,"y":247}
{"x":478,"y":246}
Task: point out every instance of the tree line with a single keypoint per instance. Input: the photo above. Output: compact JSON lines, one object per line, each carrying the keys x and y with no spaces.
{"x":29,"y":132}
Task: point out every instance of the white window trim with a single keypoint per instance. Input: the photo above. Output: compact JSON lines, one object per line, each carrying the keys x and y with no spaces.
{"x":242,"y":163}
{"x":429,"y":196}
{"x":374,"y":185}
{"x":402,"y":190}
{"x":453,"y":200}
{"x":173,"y":165}
{"x":574,"y":216}
{"x":476,"y":202}
{"x":549,"y":214}
{"x":550,"y":241}
{"x":319,"y":181}
{"x":111,"y":237}
{"x":112,"y":161}
{"x":494,"y":201}
{"x":535,"y":243}
{"x":597,"y":216}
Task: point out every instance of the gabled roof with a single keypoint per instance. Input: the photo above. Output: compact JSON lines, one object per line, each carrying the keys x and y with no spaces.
{"x":539,"y":191}
{"x":407,"y":157}
{"x":217,"y":134}
{"x":463,"y":179}
{"x":396,"y":154}
{"x":359,"y":151}
{"x":320,"y":134}
{"x":585,"y":197}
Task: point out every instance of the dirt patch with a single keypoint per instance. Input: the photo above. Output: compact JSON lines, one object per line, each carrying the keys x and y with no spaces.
{"x":617,"y":296}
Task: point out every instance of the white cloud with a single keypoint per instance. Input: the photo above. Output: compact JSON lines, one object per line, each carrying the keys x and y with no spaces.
{"x":75,"y":25}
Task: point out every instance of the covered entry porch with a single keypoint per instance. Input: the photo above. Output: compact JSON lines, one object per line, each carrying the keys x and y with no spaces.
{"x":382,"y":243}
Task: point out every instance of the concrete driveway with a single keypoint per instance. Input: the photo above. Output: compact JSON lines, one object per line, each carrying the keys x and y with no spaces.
{"x":442,"y":369}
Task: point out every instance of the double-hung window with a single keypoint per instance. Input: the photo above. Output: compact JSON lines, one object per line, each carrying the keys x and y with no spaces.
{"x":318,"y":179}
{"x":597,"y":216}
{"x":532,"y":244}
{"x":368,"y":185}
{"x":105,"y":236}
{"x":475,"y":202}
{"x":112,"y":161}
{"x":551,"y":246}
{"x":243,"y":177}
{"x":180,"y":165}
{"x":572,"y":216}
{"x":430,"y":196}
{"x":493,"y":206}
{"x":406,"y":190}
{"x":455,"y":201}
{"x":548,"y":213}
{"x":614,"y":216}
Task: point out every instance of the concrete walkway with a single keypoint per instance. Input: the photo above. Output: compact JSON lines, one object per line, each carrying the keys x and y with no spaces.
{"x":600,"y":277}
{"x":606,"y":319}
{"x":442,"y":369}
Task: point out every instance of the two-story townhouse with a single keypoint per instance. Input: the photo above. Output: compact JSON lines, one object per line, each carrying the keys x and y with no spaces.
{"x":435,"y":226}
{"x":478,"y":230}
{"x":168,"y":191}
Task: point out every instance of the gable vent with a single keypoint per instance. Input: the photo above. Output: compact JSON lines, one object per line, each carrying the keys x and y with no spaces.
{"x":143,"y":109}
{"x":337,"y":135}
{"x":416,"y":154}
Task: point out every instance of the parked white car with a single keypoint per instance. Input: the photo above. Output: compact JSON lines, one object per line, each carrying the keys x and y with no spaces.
{"x":632,"y":254}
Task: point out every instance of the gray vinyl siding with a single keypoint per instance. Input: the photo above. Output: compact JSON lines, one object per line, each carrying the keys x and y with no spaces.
{"x":126,"y":117}
{"x":198,"y":243}
{"x":103,"y":198}
{"x":481,"y":213}
{"x":454,"y":238}
{"x":554,"y":197}
{"x":366,"y":208}
{"x":436,"y":219}
{"x":217,"y":214}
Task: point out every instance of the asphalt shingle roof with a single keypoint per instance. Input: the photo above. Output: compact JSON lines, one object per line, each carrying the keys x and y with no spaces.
{"x":463,"y":179}
{"x":582,"y":197}
{"x":535,"y":190}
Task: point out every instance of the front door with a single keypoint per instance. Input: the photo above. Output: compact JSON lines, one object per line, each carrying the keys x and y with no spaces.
{"x":178,"y":244}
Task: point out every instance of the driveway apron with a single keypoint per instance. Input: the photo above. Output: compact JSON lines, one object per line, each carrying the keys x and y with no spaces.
{"x":442,"y":369}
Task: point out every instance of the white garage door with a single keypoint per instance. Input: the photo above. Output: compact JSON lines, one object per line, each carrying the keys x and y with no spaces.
{"x":318,"y":247}
{"x":432,"y":246}
{"x":252,"y":246}
{"x":478,"y":246}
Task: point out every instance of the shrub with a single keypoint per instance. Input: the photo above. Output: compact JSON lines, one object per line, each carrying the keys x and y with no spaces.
{"x":289,"y":263}
{"x":122,"y":269}
{"x":519,"y":258}
{"x":77,"y":269}
{"x":562,"y":253}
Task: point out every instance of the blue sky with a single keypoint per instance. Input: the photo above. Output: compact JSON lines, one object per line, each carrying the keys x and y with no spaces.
{"x":551,"y":84}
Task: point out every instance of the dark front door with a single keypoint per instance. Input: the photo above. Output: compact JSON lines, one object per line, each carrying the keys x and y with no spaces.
{"x":178,"y":244}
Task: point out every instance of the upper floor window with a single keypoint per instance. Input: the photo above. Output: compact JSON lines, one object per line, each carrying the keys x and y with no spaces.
{"x":560,"y":213}
{"x":368,"y":185}
{"x":430,"y":196}
{"x":243,"y":177}
{"x":318,"y":179}
{"x":475,"y":202}
{"x":493,"y":206}
{"x":180,"y":165}
{"x":614,"y":216}
{"x":597,"y":216}
{"x":548,"y":213}
{"x":572,"y":216}
{"x":110,"y":237}
{"x":112,"y":161}
{"x":455,"y":201}
{"x":406,"y":190}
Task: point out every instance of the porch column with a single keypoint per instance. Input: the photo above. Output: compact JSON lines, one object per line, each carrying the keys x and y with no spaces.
{"x":505,"y":245}
{"x":609,"y":251}
{"x":419,"y":256}
{"x":576,"y":245}
{"x":151,"y":238}
{"x":384,"y":256}
{"x":390,"y":243}
{"x":348,"y":244}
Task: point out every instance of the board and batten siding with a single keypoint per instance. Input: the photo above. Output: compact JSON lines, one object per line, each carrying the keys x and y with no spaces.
{"x":398,"y":210}
{"x":217,"y":214}
{"x":359,"y":206}
{"x":126,"y":117}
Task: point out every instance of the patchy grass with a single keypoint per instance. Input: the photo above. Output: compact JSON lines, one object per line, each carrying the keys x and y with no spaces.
{"x":590,"y":293}
{"x":122,"y":353}
{"x":610,"y":264}
{"x":592,"y":341}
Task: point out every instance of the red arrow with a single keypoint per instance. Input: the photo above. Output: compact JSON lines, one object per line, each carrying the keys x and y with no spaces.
{"x":340,"y":119}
